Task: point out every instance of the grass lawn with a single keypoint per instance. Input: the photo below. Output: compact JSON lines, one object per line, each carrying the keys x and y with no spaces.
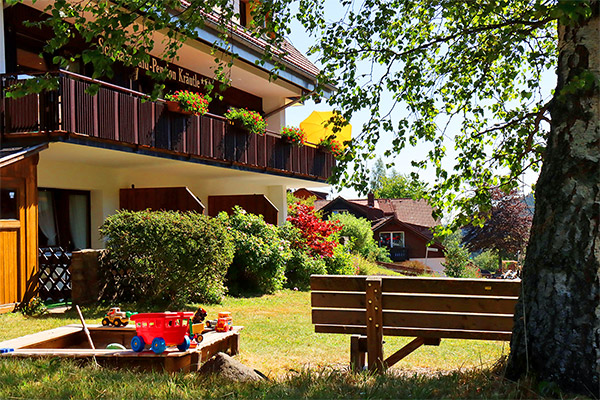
{"x":278,"y":337}
{"x":278,"y":340}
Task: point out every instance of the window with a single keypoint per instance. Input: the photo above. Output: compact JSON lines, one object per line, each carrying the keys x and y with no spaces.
{"x":391,"y":239}
{"x":338,"y":211}
{"x":244,"y":11}
{"x":8,"y":204}
{"x":64,"y":218}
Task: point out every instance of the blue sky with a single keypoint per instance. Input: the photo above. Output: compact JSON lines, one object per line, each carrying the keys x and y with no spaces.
{"x":296,"y":114}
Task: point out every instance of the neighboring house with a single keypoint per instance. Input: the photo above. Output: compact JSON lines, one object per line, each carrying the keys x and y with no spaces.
{"x":69,"y":160}
{"x":402,"y":225}
{"x":306,"y":194}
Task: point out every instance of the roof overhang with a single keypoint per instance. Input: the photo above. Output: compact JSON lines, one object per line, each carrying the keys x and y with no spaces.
{"x":12,"y":155}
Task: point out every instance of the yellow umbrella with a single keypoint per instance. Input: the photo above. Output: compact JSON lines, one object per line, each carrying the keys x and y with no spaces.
{"x":316,"y":129}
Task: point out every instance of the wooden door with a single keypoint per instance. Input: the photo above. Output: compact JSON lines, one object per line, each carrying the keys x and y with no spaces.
{"x":12,"y":239}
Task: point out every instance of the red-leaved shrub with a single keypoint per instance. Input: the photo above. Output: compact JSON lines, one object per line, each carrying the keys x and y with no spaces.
{"x":315,"y":233}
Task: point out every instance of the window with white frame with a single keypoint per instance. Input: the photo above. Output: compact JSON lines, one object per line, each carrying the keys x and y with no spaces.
{"x":64,"y":218}
{"x":391,"y":239}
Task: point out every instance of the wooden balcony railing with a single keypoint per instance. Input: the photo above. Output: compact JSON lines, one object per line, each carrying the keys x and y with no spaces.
{"x":126,"y":117}
{"x":399,"y":253}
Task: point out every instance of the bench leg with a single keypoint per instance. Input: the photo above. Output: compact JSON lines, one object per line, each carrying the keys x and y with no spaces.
{"x":358,"y":352}
{"x":409,"y":348}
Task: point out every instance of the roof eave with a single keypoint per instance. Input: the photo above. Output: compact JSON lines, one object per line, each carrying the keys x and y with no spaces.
{"x":252,"y":54}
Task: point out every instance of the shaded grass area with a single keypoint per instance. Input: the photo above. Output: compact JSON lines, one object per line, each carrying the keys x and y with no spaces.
{"x":50,"y":378}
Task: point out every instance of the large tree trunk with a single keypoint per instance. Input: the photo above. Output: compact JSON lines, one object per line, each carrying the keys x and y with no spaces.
{"x":557,"y":321}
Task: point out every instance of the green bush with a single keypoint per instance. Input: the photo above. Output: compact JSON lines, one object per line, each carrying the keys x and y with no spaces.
{"x":165,"y":256}
{"x":488,"y":260}
{"x":300,"y":266}
{"x":341,"y":262}
{"x":291,"y":200}
{"x":358,"y":230}
{"x":260,"y":254}
{"x":471,"y":271}
{"x":364,"y":267}
{"x":33,"y":308}
{"x":457,"y":256}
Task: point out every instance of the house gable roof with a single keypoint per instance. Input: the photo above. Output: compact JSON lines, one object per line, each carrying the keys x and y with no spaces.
{"x":416,"y":212}
{"x":304,"y":193}
{"x":339,"y":202}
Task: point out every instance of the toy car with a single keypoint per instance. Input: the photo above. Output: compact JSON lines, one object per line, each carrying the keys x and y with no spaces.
{"x":116,"y":317}
{"x":211,"y":324}
{"x":224,"y":323}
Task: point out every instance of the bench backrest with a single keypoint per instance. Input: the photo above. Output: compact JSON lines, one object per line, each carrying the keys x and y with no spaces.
{"x":415,"y":306}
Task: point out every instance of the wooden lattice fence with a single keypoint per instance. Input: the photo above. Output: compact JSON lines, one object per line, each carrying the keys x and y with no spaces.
{"x":54,"y":275}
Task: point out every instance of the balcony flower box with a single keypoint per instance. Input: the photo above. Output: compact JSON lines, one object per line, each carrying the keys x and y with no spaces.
{"x":250,"y":121}
{"x":330,"y":145}
{"x":187,"y":103}
{"x":293,"y":135}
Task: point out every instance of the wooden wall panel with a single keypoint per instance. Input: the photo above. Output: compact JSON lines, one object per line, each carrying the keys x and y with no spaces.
{"x":9,"y":261}
{"x":170,"y":198}
{"x":19,"y":239}
{"x":253,"y":203}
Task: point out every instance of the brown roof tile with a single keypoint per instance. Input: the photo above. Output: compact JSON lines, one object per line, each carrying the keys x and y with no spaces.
{"x":321,"y":203}
{"x":416,"y":212}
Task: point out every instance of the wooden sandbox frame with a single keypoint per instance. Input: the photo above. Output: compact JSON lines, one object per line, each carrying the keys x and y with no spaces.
{"x":70,"y":342}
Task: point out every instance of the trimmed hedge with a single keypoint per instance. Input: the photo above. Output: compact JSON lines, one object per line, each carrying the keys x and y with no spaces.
{"x":165,"y":257}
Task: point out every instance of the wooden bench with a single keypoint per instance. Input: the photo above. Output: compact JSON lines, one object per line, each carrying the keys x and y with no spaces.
{"x":430,"y":309}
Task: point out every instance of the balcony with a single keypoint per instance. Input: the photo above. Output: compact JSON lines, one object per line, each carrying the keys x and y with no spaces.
{"x":124,"y":118}
{"x":398,"y":254}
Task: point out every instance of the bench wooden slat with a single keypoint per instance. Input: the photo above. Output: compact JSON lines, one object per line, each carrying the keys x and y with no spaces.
{"x":338,"y":300}
{"x":445,"y":303}
{"x":410,"y":319}
{"x":481,"y":287}
{"x":416,"y":332}
{"x":339,"y":283}
{"x":418,"y":302}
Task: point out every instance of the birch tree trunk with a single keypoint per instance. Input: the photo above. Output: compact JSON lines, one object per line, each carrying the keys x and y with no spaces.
{"x":557,"y":321}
